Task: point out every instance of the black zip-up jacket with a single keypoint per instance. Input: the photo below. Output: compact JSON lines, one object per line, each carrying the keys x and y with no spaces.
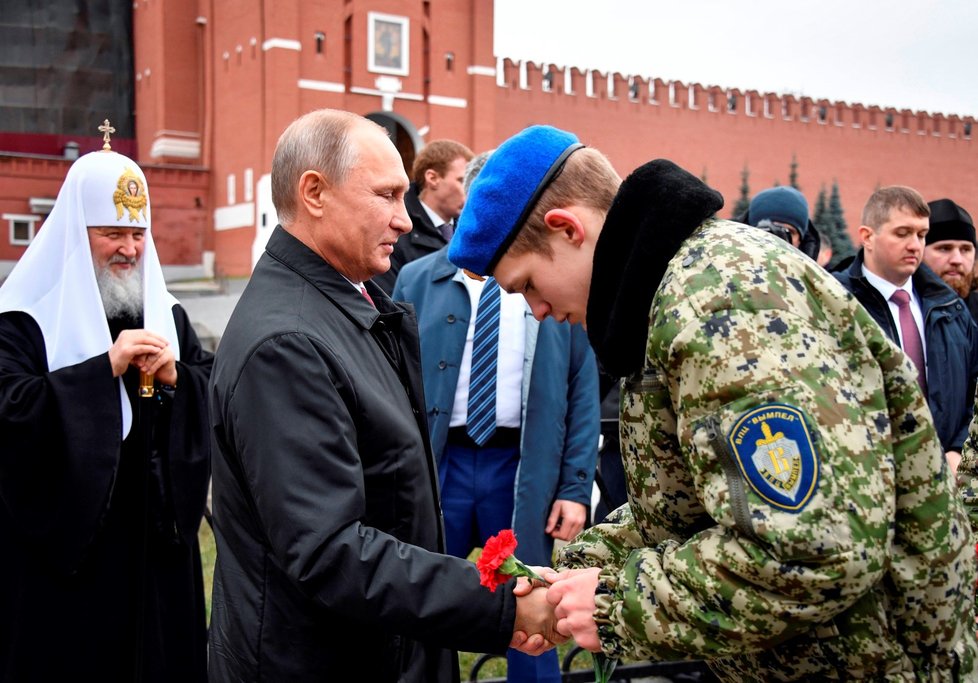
{"x":951,"y":339}
{"x":327,"y":518}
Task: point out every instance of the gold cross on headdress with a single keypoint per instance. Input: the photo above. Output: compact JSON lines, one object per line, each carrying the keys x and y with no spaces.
{"x":106,"y":129}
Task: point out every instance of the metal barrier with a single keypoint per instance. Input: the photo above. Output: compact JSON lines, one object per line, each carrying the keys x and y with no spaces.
{"x":694,"y":671}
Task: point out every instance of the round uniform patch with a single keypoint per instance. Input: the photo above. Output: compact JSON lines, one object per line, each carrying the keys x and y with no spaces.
{"x":775,"y":453}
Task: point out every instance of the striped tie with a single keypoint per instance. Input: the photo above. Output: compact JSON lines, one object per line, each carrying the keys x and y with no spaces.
{"x":481,"y":421}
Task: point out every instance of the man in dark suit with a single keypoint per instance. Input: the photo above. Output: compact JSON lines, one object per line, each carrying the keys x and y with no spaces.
{"x":927,"y":320}
{"x":434,"y":201}
{"x":326,"y":509}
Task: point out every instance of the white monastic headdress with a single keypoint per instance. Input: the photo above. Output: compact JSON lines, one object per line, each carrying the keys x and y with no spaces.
{"x":54,"y":281}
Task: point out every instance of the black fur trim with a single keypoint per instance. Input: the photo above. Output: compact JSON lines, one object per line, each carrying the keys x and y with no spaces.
{"x":657,"y":207}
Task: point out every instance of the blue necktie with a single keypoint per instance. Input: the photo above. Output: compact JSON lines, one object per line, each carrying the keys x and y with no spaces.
{"x":481,"y":420}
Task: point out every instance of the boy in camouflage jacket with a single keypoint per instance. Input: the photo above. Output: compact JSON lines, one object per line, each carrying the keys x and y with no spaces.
{"x":791,"y":515}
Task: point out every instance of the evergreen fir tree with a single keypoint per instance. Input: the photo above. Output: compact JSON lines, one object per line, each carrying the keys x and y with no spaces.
{"x":838,"y":231}
{"x":793,"y":172}
{"x":821,"y":216}
{"x":743,"y":202}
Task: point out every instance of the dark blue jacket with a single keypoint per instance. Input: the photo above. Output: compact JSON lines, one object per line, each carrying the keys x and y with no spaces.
{"x":952,"y":345}
{"x":560,"y":412}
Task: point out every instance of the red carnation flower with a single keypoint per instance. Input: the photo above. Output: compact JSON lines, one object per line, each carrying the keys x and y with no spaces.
{"x":497,"y":564}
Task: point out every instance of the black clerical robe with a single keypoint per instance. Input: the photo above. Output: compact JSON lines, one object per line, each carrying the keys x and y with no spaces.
{"x":100,"y":576}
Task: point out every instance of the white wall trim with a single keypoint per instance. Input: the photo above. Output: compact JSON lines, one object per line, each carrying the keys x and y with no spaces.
{"x":459,"y":102}
{"x":476,"y":70}
{"x":381,"y":93}
{"x":283,"y":43}
{"x":322,"y":86}
{"x":41,"y":205}
{"x":175,"y":147}
{"x":237,"y":216}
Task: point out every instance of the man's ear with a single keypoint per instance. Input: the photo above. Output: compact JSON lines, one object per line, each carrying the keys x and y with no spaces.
{"x":566,"y":222}
{"x":431,"y":178}
{"x":866,"y":235}
{"x":312,"y":192}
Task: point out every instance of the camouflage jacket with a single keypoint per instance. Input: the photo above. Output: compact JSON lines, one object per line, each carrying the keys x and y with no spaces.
{"x":968,"y":471}
{"x":791,"y":515}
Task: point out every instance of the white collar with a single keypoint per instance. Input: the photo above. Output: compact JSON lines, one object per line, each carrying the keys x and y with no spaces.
{"x":885,"y":287}
{"x":436,"y":220}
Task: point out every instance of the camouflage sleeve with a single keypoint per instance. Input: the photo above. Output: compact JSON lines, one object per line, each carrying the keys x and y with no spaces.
{"x":604,"y":545}
{"x":968,"y":470}
{"x":932,"y":555}
{"x":785,"y":433}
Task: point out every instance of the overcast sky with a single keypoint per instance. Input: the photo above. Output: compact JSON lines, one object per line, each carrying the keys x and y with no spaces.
{"x":920,"y":55}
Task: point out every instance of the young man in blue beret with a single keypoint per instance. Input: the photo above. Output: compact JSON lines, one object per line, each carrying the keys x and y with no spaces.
{"x":512,"y":406}
{"x":771,"y":434}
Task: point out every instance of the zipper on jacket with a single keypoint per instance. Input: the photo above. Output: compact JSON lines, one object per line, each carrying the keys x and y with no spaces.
{"x":735,"y":482}
{"x":645,"y":381}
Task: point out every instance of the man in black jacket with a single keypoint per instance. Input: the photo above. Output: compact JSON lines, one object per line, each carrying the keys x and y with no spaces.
{"x":931,"y":322}
{"x":433,"y":202}
{"x":327,"y":519}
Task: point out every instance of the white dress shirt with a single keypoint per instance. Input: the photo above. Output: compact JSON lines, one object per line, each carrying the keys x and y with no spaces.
{"x":887,"y":289}
{"x":509,"y":365}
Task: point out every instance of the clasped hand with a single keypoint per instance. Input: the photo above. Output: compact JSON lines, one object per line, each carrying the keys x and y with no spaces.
{"x":145,"y":350}
{"x":548,"y":616}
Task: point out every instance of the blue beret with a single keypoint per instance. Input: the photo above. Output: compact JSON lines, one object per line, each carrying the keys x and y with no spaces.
{"x":784,"y":204}
{"x":504,"y":193}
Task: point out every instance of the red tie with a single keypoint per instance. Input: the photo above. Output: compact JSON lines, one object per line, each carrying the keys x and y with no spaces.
{"x":911,"y":336}
{"x":363,"y":290}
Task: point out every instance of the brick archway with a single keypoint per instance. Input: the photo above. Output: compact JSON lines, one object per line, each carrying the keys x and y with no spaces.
{"x":402,"y":133}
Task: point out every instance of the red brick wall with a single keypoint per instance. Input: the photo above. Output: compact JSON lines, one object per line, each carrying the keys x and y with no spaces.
{"x":234,"y":75}
{"x":918,"y":151}
{"x":178,"y":196}
{"x":682,"y":127}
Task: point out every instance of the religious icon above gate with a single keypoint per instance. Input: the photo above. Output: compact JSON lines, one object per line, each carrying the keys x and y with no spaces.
{"x":387,"y":41}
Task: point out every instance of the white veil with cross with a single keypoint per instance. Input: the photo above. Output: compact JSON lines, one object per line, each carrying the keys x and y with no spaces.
{"x":54,"y":281}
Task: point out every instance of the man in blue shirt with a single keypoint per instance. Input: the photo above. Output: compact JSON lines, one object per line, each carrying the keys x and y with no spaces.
{"x":534,"y":471}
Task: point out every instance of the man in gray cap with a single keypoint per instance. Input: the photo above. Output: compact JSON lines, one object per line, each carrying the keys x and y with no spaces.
{"x":950,"y":250}
{"x":781,"y":458}
{"x":783,"y":211}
